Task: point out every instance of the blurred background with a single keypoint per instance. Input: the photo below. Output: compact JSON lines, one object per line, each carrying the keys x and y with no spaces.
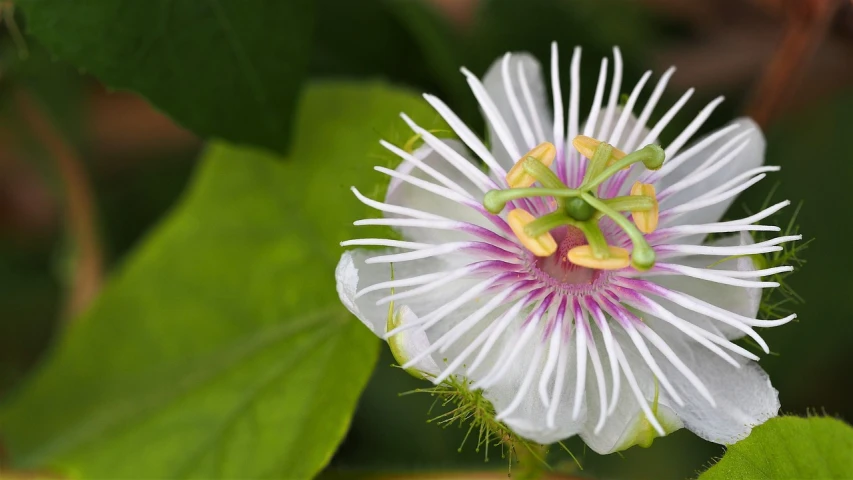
{"x":86,"y":172}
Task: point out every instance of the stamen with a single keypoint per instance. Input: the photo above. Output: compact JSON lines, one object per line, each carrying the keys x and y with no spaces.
{"x":541,"y":245}
{"x":642,"y":257}
{"x":495,"y":200}
{"x":588,"y":145}
{"x":651,"y":156}
{"x":601,"y":159}
{"x":581,"y":207}
{"x":646,"y":221}
{"x":546,"y":223}
{"x":583,"y":256}
{"x":595,"y":238}
{"x":631,"y":203}
{"x":544,"y":153}
{"x":542,"y":173}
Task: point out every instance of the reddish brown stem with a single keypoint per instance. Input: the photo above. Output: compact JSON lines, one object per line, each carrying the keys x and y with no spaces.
{"x":79,"y":206}
{"x":808,"y":22}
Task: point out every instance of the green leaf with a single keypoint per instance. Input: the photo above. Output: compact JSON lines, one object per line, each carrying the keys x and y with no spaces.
{"x":443,"y":52}
{"x":509,"y":25}
{"x":224,"y":68}
{"x":404,"y":41}
{"x":789,"y":448}
{"x":221,"y":349}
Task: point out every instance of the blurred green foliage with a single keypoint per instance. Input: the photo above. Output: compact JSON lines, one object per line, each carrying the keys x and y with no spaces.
{"x":231,"y":336}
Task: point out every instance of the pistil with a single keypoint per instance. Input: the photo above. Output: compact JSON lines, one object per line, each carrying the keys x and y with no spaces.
{"x":581,"y":208}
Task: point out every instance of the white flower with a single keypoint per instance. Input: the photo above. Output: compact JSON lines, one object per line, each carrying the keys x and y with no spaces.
{"x":564,"y":330}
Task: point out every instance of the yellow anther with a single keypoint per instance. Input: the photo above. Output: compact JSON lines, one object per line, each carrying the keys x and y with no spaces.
{"x":587,"y":145}
{"x":646,"y":221}
{"x":545,"y":153}
{"x":541,"y":246}
{"x":582,"y":255}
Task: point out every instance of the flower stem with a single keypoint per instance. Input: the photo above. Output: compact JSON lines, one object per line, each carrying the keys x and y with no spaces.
{"x":531,"y":462}
{"x":79,"y":206}
{"x":808,"y":23}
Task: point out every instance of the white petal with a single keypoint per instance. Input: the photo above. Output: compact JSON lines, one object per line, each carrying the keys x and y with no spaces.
{"x":744,"y":396}
{"x":515,"y":360}
{"x":630,"y":125}
{"x":530,"y":418}
{"x":752,"y":156}
{"x":530,"y":98}
{"x":627,"y":425}
{"x":741,"y":300}
{"x":353,"y":274}
{"x":407,"y":344}
{"x":410,"y":196}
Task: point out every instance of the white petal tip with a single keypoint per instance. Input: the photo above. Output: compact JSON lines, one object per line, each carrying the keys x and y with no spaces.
{"x":438,"y":380}
{"x":611,"y":408}
{"x":408,"y":120}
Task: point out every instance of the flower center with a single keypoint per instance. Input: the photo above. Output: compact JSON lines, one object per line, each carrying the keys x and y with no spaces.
{"x":559,"y":267}
{"x":577,"y":211}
